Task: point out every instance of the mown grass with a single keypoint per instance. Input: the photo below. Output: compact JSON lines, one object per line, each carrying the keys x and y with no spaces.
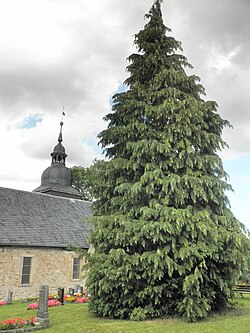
{"x":75,"y":318}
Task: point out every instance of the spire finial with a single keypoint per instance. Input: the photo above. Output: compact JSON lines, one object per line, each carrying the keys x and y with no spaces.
{"x":61,"y":124}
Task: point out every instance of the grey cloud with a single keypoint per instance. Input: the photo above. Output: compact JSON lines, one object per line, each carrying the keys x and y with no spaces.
{"x":217,"y":20}
{"x":242,"y":58}
{"x":93,"y":64}
{"x":217,"y":28}
{"x":40,"y":87}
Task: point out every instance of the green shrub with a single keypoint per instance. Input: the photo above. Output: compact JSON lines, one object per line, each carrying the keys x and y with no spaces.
{"x":138,"y":314}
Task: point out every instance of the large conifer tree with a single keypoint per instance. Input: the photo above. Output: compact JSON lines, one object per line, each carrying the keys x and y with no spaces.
{"x":166,"y":242}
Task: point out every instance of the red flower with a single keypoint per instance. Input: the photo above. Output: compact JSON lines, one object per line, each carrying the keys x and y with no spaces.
{"x":32,"y":306}
{"x":16,"y":323}
{"x":53,"y":303}
{"x":81,"y":300}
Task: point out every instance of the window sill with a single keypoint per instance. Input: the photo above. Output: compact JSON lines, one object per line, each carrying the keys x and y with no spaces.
{"x":25,"y":285}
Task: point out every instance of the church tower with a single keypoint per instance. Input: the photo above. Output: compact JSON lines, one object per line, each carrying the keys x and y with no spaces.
{"x":56,"y":179}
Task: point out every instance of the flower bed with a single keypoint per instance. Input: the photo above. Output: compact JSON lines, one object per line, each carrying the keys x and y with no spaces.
{"x":32,"y":306}
{"x":51,"y":303}
{"x":77,"y":298}
{"x":53,"y":297}
{"x":81,"y":300}
{"x":16,"y":323}
{"x":4,"y":303}
{"x":69,"y":298}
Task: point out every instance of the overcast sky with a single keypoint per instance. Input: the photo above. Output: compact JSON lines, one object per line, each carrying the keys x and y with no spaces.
{"x":72,"y":54}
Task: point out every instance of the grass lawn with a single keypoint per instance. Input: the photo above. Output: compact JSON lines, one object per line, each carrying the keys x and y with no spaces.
{"x":75,"y":318}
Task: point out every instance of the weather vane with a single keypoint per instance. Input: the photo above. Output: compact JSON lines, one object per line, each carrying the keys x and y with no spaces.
{"x":63,"y":114}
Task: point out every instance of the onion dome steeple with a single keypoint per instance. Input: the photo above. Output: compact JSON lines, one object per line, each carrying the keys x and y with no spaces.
{"x":56,"y":179}
{"x":58,"y":155}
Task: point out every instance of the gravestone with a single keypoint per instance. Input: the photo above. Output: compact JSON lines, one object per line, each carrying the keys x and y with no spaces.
{"x":79,"y":290}
{"x":71,"y":291}
{"x":9,"y":300}
{"x":60,"y":293}
{"x":42,"y":312}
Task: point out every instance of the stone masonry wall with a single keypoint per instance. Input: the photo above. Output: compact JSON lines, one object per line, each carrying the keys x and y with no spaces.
{"x":51,"y":267}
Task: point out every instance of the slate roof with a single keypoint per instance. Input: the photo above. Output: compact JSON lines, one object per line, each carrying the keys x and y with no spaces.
{"x":42,"y":220}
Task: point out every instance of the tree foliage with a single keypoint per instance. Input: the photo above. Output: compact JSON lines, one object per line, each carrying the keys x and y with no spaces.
{"x":166,"y":242}
{"x":87,"y":180}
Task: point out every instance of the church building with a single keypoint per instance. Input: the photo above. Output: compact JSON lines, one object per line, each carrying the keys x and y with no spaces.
{"x":39,"y":231}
